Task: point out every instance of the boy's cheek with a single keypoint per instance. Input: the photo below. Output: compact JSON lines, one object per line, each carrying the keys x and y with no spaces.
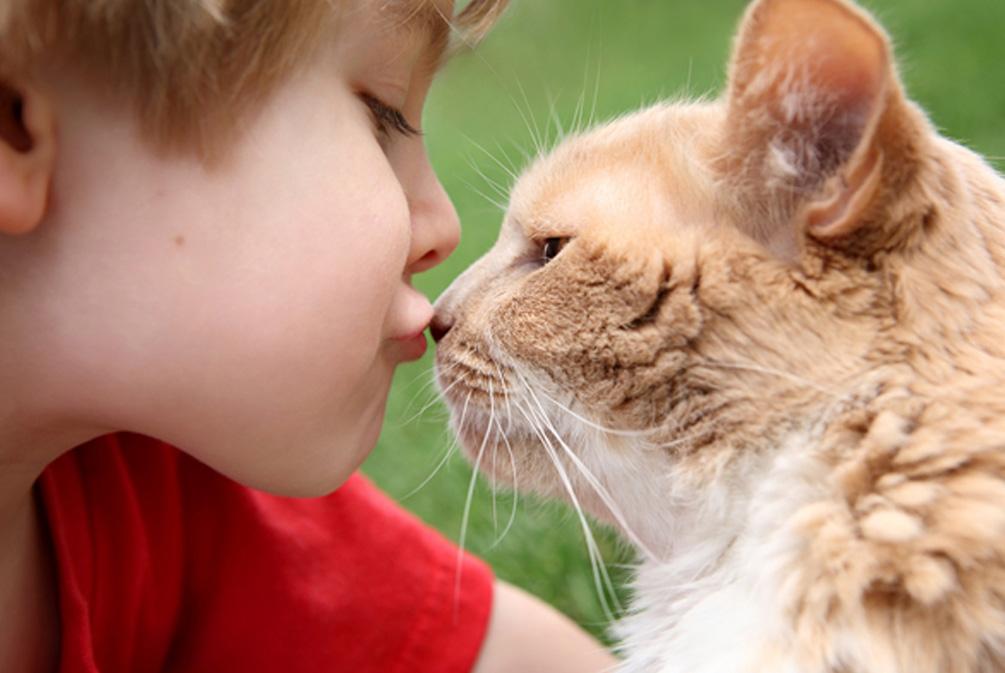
{"x":274,"y":410}
{"x":251,"y":302}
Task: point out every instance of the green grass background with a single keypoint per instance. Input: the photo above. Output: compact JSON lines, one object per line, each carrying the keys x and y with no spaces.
{"x":545,"y":59}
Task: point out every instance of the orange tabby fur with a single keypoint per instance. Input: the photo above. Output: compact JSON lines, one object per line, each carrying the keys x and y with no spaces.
{"x":776,"y":339}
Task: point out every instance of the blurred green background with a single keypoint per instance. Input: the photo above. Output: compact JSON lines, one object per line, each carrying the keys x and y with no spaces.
{"x":544,"y":61}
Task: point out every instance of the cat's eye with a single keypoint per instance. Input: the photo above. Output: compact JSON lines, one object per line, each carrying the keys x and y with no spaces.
{"x":553,"y":246}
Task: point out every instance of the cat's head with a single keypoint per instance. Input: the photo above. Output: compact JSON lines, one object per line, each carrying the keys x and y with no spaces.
{"x":675,"y":293}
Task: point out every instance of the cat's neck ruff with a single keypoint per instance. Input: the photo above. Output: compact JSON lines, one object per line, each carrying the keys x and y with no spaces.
{"x":713,"y":605}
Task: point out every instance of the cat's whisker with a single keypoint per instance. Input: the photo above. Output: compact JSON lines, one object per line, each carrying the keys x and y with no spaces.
{"x":513,"y":166}
{"x":430,"y":380}
{"x":464,"y":413}
{"x":771,"y":371}
{"x":526,"y":115}
{"x":508,"y":403}
{"x":506,"y":398}
{"x":592,"y":480}
{"x":596,"y":94}
{"x":632,"y":434}
{"x":676,"y":442}
{"x":469,"y":499}
{"x":444,"y":370}
{"x":491,"y":429}
{"x":601,"y":578}
{"x":509,"y":449}
{"x":498,"y":204}
{"x":451,"y":447}
{"x":516,"y":486}
{"x":556,"y":120}
{"x":580,"y":110}
{"x":535,"y":133}
{"x":435,"y":398}
{"x":499,"y":189}
{"x":596,"y":426}
{"x":527,"y":156}
{"x":439,"y":415}
{"x":510,"y":171}
{"x":423,"y":376}
{"x":549,"y":122}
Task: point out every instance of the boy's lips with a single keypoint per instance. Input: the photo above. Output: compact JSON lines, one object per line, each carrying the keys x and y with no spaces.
{"x":411,"y":347}
{"x":410,"y":340}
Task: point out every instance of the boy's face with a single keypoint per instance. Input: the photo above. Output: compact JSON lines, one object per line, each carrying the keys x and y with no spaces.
{"x":252,"y":313}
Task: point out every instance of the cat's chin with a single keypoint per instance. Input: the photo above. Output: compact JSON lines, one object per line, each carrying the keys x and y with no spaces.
{"x":507,"y":453}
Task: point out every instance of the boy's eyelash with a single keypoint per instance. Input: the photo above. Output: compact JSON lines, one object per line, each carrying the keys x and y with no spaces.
{"x":387,"y":118}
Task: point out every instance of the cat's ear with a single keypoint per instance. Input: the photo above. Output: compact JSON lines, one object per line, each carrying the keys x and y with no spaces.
{"x":810,"y":83}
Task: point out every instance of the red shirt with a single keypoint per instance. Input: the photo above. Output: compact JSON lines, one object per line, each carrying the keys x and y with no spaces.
{"x":164,"y":565}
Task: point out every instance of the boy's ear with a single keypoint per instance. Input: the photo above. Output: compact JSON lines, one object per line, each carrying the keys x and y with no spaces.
{"x":27,"y":156}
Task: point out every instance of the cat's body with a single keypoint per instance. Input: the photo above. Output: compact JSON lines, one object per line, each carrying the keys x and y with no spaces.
{"x":768,"y":343}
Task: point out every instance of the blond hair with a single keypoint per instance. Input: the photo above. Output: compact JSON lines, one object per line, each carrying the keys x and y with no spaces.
{"x":190,"y":67}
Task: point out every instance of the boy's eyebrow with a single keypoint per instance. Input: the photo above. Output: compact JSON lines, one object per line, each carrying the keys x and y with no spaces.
{"x":426,"y":18}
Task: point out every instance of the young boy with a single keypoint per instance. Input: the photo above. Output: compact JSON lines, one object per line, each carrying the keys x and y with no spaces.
{"x":210,"y":215}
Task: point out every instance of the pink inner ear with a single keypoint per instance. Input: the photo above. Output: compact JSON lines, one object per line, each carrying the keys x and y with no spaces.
{"x":826,"y":45}
{"x":811,"y":73}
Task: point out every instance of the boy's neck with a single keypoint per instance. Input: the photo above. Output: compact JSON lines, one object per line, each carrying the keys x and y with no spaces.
{"x":29,"y":640}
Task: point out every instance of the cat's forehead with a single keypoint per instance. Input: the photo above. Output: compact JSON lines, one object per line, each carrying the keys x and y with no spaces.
{"x":605,"y":197}
{"x":625,"y":174}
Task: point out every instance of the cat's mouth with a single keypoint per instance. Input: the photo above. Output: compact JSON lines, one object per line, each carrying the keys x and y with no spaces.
{"x":467,"y":377}
{"x":488,"y":412}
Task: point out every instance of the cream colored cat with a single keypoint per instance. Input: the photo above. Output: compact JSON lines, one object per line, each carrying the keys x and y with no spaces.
{"x":764,"y":337}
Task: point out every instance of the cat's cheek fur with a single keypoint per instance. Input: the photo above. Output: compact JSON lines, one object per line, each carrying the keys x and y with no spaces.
{"x":613,"y":327}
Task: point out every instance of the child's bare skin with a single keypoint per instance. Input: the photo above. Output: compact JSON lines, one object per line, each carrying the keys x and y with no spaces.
{"x":251,"y":310}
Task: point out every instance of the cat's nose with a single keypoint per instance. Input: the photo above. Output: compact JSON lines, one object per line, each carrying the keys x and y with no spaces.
{"x":439,"y":327}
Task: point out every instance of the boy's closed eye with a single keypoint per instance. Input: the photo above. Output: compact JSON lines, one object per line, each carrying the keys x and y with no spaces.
{"x":387,"y":119}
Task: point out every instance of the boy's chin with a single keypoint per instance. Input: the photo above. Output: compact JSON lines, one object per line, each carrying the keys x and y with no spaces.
{"x":310,"y":482}
{"x":331,"y":468}
{"x":305,"y":464}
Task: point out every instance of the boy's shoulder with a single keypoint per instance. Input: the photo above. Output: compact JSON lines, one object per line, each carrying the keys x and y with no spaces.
{"x":160,"y":558}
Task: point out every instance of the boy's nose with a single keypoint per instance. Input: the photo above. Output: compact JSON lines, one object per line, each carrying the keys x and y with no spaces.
{"x":436,"y":229}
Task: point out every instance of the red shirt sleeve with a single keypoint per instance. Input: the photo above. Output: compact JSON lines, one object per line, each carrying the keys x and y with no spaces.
{"x":164,"y":565}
